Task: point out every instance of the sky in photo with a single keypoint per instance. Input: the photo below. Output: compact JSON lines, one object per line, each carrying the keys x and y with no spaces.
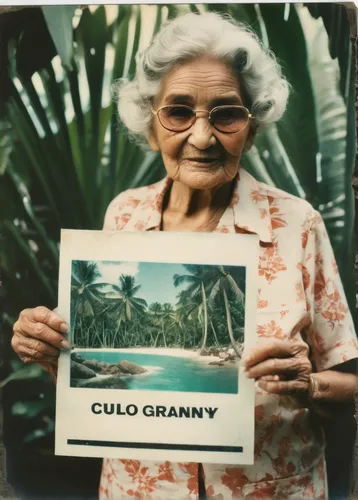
{"x":155,"y":278}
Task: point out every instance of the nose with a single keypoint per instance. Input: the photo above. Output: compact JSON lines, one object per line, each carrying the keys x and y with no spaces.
{"x":201,"y":133}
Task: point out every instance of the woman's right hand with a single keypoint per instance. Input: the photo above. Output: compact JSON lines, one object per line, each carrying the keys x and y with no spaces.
{"x":39,"y":335}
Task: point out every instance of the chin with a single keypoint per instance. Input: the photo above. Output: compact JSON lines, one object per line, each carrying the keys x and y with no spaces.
{"x":203,"y":180}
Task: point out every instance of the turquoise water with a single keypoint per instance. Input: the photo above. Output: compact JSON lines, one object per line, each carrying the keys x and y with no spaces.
{"x":169,"y":373}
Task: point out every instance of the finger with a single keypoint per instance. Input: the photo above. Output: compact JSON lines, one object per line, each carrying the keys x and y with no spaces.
{"x":44,"y":315}
{"x":36,"y":350}
{"x":44,"y":333}
{"x":272,"y":377}
{"x":274,"y":348}
{"x":16,"y":344}
{"x":284,"y":387}
{"x":41,"y":331}
{"x":275,"y":366}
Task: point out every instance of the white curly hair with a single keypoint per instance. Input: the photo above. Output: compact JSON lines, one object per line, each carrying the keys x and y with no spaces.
{"x":193,"y":35}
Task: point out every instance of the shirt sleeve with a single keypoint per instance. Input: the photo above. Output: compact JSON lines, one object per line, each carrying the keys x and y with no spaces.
{"x":331,"y":333}
{"x":109,"y":218}
{"x":119,"y":211}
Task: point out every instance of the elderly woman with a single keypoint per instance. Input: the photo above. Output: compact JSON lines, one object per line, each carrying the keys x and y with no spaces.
{"x":202,"y":90}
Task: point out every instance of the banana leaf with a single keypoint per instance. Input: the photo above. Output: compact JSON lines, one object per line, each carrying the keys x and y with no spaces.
{"x":26,"y":373}
{"x":335,"y":20}
{"x":59,"y":22}
{"x":336,"y":154}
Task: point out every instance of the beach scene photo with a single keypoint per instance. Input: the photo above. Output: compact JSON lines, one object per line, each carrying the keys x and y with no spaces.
{"x":157,"y":326}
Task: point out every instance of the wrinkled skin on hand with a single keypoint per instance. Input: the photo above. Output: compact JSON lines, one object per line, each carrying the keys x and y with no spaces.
{"x":38,"y":337}
{"x":279,"y":366}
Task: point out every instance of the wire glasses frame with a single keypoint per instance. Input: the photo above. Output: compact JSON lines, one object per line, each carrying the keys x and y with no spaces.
{"x":227,"y":119}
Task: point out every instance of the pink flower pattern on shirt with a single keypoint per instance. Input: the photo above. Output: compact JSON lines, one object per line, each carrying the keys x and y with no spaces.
{"x":271,"y":263}
{"x":299,"y":292}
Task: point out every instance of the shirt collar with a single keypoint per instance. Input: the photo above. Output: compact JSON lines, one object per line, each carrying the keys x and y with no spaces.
{"x":249,"y":205}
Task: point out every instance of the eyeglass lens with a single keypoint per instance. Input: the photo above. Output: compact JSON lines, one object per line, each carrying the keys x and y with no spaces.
{"x":227,"y":119}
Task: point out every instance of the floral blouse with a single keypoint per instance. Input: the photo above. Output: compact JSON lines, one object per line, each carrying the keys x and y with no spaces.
{"x":299,"y":295}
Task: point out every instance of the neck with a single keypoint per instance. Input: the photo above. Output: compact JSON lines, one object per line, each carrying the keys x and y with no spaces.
{"x":195,"y":208}
{"x":188,"y":202}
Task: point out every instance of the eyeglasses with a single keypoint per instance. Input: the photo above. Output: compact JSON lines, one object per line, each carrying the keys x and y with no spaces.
{"x":226,"y":119}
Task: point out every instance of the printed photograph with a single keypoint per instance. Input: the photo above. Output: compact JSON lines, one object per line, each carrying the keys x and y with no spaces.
{"x":157,"y":326}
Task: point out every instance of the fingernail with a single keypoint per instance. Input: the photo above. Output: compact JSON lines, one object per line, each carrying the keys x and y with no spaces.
{"x":65,"y":344}
{"x":64,"y":327}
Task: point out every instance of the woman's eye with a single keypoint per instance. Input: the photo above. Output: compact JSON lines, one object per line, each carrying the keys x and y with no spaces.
{"x":180,"y":113}
{"x":225,"y":115}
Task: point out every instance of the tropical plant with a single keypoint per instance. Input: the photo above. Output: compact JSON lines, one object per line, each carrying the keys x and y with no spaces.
{"x":86,"y":295}
{"x":223,"y":283}
{"x":204,"y":285}
{"x":115,"y":316}
{"x":219,"y":320}
{"x":124,"y":305}
{"x":187,"y":310}
{"x":61,"y":133}
{"x":197,"y":281}
{"x":155,"y":312}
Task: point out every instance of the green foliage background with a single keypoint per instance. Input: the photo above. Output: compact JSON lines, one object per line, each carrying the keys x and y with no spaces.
{"x":64,"y":156}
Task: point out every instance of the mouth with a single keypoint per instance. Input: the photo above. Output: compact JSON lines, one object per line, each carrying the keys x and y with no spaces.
{"x":206,"y":160}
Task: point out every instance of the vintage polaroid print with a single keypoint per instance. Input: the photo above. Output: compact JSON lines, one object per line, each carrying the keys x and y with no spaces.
{"x":144,"y":378}
{"x":65,"y":156}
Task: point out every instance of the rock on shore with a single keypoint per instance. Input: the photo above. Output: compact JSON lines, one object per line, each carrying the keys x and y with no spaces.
{"x":124,"y":367}
{"x":79,"y":370}
{"x":84,"y":373}
{"x":101,"y":383}
{"x":226,"y":354}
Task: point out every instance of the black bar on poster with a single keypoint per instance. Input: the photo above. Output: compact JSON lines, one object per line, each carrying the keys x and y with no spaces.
{"x":156,"y":446}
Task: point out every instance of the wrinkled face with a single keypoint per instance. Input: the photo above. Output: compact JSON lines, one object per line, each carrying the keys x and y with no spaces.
{"x":200,"y":157}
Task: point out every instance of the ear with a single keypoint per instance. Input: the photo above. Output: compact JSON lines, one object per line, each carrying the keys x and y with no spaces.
{"x":250,"y":139}
{"x":152,"y":140}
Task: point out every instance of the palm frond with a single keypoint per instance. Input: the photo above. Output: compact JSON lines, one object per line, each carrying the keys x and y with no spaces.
{"x":234,"y":288}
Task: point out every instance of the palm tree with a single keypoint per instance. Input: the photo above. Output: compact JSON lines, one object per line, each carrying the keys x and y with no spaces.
{"x":163,"y":315}
{"x":169,"y":321}
{"x":197,"y":281}
{"x":223,"y":283}
{"x":155,"y":312}
{"x":183,"y":310}
{"x":125,"y":303}
{"x":187,"y":312}
{"x":87,"y":298}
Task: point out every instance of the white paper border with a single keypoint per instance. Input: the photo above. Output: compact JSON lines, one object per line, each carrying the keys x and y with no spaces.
{"x":233,"y":424}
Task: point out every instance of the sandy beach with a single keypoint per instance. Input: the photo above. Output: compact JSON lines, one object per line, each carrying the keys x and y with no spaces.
{"x":175,"y":352}
{"x":179,"y":353}
{"x":161,"y":369}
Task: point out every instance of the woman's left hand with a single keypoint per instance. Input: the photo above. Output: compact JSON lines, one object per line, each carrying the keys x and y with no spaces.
{"x":279,"y":366}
